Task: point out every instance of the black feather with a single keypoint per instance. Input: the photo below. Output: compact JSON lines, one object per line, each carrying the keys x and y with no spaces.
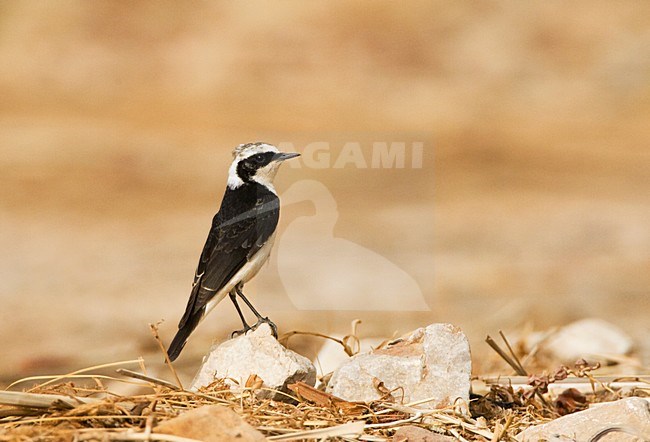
{"x":181,"y":336}
{"x":246,"y":220}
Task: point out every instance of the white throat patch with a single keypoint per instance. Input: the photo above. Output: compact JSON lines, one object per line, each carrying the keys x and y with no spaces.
{"x":266,"y":174}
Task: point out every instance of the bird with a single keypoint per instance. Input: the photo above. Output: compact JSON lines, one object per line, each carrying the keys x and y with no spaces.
{"x":343,"y":275}
{"x":239,"y":241}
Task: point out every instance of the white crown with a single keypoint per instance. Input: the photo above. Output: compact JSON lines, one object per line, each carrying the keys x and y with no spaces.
{"x":248,"y":149}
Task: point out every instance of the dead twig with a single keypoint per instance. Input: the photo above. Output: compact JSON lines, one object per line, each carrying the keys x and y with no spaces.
{"x":350,"y":350}
{"x":513,"y":362}
{"x":168,"y":362}
{"x":34,"y":400}
{"x":143,"y":377}
{"x":57,"y":378}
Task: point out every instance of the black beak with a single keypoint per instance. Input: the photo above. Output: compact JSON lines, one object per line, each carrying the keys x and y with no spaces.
{"x":280,"y":156}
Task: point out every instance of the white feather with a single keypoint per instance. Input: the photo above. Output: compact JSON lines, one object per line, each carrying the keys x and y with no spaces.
{"x":233,"y":179}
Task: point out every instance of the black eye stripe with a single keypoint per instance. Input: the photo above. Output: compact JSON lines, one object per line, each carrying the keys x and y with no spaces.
{"x":247,"y":167}
{"x":261,"y":158}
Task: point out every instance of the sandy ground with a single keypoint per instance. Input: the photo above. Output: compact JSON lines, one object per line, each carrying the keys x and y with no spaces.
{"x":531,"y":207}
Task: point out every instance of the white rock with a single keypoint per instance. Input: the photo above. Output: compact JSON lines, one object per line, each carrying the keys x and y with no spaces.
{"x":255,"y":353}
{"x":591,"y":339}
{"x":433,"y":362}
{"x":627,"y":419}
{"x":331,"y":355}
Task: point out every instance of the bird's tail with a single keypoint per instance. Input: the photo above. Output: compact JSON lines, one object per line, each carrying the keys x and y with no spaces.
{"x":182,"y":334}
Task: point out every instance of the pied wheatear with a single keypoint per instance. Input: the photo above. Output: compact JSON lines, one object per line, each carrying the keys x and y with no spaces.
{"x":240,"y":239}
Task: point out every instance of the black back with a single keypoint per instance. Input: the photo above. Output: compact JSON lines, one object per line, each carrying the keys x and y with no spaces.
{"x":246,"y":219}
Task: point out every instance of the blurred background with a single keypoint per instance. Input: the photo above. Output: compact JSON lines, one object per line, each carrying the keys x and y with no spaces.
{"x":531,"y":207}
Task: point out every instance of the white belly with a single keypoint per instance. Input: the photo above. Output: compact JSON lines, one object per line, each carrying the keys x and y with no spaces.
{"x":244,"y":274}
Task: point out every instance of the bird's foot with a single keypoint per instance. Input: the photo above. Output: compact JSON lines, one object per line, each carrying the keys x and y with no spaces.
{"x":260,"y":321}
{"x":274,"y":328}
{"x":243,"y":331}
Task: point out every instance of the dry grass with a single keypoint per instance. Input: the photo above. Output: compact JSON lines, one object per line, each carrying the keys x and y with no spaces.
{"x":81,"y":406}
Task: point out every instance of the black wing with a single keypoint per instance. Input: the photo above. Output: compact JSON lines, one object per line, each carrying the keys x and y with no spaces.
{"x":241,"y":227}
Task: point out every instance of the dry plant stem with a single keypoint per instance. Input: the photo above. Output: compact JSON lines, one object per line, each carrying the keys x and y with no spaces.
{"x":457,"y":435}
{"x":128,"y":436}
{"x":350,"y":351}
{"x":19,"y":412}
{"x":190,"y":395}
{"x":415,"y":416}
{"x":608,"y":383}
{"x":285,"y":338}
{"x":543,"y":400}
{"x":511,"y":362}
{"x":498,"y":434}
{"x":354,"y":337}
{"x":33,"y":400}
{"x":349,"y":429}
{"x":641,"y":380}
{"x":69,"y":418}
{"x":593,"y":380}
{"x":154,"y":332}
{"x":512,"y":353}
{"x":142,"y":377}
{"x":462,"y":422}
{"x":94,"y":377}
{"x":73,"y":374}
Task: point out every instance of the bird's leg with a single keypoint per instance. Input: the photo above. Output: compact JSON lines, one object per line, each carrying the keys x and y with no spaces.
{"x":260,"y":319}
{"x":233,"y":298}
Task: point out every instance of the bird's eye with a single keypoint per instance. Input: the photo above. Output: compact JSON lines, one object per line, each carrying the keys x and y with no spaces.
{"x":259,"y":158}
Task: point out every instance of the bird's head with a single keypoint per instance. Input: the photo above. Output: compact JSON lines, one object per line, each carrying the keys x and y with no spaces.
{"x":258,"y":162}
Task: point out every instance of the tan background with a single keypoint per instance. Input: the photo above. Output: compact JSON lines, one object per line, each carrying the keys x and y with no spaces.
{"x":117,"y":119}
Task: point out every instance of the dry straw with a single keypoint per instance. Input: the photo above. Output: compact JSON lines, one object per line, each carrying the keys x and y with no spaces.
{"x":79,"y":407}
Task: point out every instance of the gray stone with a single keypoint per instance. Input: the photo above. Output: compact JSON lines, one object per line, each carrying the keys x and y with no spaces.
{"x":626,"y":419}
{"x":210,"y":423}
{"x":592,"y":339}
{"x":432,"y":363}
{"x":255,"y":353}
